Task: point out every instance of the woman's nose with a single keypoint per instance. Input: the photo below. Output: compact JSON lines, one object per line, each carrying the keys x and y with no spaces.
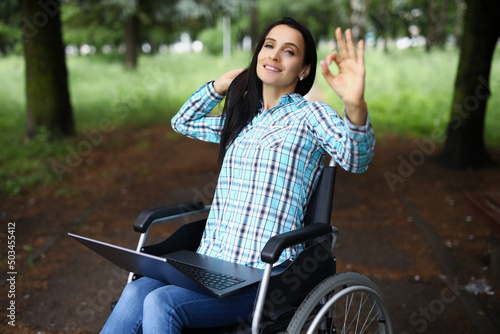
{"x":273,"y":56}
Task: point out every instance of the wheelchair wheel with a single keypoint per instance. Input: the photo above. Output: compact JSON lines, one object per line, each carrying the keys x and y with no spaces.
{"x":343,"y":303}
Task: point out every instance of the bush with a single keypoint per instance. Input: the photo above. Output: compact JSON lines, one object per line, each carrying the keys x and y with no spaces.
{"x":212,"y":40}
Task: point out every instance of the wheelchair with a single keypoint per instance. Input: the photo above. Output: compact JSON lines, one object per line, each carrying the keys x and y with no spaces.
{"x":309,"y":296}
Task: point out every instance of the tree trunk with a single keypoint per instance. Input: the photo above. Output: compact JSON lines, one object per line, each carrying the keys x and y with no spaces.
{"x":431,"y":25}
{"x":381,"y":21}
{"x":358,"y":18}
{"x":254,"y":23}
{"x":436,"y":27}
{"x":131,"y":41}
{"x":441,"y":24}
{"x":384,"y":17}
{"x":457,"y":31}
{"x":47,"y":95}
{"x":464,"y":146}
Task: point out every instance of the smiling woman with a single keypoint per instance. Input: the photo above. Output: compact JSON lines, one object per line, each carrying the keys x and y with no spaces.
{"x":273,"y":144}
{"x":281,"y":63}
{"x":244,"y":88}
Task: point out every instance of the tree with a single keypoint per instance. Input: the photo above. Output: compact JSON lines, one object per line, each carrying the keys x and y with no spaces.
{"x":319,"y":16}
{"x":139,"y":16}
{"x":92,"y":22}
{"x":436,"y":25}
{"x":457,"y":22}
{"x":10,"y":26}
{"x":358,"y":18}
{"x":380,"y":16}
{"x":47,"y":95}
{"x":464,"y":146}
{"x":254,"y":23}
{"x":131,"y":41}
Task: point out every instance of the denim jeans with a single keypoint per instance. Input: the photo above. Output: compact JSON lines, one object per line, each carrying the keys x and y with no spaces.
{"x":150,"y":306}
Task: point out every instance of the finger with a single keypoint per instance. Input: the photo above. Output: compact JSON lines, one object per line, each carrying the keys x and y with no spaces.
{"x":337,"y":58}
{"x":334,"y":57}
{"x":331,"y":56}
{"x":340,"y":41}
{"x":325,"y":71}
{"x":351,"y":49}
{"x":361,"y":51}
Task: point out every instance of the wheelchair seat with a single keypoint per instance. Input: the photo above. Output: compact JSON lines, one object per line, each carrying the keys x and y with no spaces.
{"x":281,"y":298}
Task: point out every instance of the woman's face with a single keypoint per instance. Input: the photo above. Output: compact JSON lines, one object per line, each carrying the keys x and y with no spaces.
{"x":280,"y":62}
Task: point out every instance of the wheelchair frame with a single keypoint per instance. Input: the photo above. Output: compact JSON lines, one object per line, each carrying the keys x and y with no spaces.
{"x":319,"y":299}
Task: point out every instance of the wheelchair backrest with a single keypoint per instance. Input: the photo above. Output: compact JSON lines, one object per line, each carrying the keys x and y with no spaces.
{"x":319,"y":209}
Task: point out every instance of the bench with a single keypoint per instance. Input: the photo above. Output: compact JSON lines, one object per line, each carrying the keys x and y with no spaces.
{"x":486,"y":206}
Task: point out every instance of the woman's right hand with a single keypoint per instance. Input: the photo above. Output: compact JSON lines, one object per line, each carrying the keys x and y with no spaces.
{"x":222,"y":84}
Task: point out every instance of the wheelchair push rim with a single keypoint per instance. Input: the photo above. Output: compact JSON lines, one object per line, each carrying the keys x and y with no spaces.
{"x":342,"y":303}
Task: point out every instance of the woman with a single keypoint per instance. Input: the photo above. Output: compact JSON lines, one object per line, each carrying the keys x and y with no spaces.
{"x":272,"y":146}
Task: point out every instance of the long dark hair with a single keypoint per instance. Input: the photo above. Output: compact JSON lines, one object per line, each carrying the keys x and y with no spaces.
{"x":245,"y":92}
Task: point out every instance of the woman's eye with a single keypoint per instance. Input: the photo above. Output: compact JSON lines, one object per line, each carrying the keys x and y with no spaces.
{"x":290,"y":52}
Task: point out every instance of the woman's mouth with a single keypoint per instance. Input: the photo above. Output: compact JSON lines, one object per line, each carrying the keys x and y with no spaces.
{"x":272,"y":68}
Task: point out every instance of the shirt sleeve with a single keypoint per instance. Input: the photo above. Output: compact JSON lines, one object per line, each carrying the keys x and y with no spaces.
{"x":352,"y":146}
{"x":193,"y":119}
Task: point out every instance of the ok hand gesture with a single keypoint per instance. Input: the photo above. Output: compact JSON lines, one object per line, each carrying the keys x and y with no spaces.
{"x":349,"y":83}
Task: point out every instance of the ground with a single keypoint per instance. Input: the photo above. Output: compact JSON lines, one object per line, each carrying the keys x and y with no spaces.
{"x":404,"y":223}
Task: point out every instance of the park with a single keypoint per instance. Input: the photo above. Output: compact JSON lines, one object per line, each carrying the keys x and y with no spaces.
{"x":406,"y":223}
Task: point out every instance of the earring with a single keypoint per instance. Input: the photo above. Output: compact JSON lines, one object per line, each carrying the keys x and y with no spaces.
{"x":301,"y":78}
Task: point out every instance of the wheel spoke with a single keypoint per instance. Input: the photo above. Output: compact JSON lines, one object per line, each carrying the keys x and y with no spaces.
{"x":344,"y":303}
{"x":358,"y":314}
{"x":365,"y":325}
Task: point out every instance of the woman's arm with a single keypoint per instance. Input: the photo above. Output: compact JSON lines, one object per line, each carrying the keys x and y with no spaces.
{"x":193,"y":120}
{"x":349,"y":83}
{"x":351,"y":145}
{"x":222,"y":84}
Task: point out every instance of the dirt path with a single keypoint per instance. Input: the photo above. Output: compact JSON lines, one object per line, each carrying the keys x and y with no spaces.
{"x":397,"y":222}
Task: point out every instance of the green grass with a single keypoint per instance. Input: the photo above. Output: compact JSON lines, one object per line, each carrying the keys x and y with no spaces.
{"x":104,"y":96}
{"x":409,"y":94}
{"x":153,"y":93}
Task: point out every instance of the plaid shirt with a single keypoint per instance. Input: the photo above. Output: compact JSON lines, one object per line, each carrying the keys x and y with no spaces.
{"x":270,"y":170}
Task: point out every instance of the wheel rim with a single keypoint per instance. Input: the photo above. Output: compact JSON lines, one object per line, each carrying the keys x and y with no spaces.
{"x":351,"y":310}
{"x":346,"y":302}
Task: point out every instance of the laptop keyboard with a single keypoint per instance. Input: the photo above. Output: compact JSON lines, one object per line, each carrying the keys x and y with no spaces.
{"x":215,"y":280}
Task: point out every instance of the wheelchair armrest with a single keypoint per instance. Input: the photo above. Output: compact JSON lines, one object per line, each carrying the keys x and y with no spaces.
{"x":147,"y":217}
{"x":277,"y":244}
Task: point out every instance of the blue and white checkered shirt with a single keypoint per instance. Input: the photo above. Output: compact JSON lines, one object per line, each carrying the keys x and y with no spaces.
{"x":270,"y":170}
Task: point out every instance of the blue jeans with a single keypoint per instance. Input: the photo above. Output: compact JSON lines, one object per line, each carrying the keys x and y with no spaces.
{"x":150,"y":306}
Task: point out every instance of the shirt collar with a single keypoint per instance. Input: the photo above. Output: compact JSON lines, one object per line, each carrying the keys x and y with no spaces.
{"x":284,"y":100}
{"x":291,"y":98}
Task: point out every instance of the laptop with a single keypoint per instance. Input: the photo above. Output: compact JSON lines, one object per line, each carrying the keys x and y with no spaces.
{"x":190,"y":270}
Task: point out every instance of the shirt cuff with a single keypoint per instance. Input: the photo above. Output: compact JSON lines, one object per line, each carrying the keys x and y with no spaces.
{"x":358,"y":131}
{"x":212,"y":92}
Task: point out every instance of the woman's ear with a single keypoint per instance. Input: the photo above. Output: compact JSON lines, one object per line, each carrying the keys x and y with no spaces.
{"x":305,"y":71}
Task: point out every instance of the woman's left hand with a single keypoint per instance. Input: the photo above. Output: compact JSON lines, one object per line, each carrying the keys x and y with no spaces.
{"x":349,"y":83}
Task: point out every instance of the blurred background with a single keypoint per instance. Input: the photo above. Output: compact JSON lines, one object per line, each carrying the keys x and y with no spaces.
{"x":87,"y":93}
{"x":67,"y":65}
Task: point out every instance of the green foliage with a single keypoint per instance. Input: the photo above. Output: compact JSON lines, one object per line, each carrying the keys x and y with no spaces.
{"x":409,"y":93}
{"x":212,"y":40}
{"x":321,"y":17}
{"x":10,"y":27}
{"x":10,"y":39}
{"x":105,"y":97}
{"x":100,"y":22}
{"x":92,"y":25}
